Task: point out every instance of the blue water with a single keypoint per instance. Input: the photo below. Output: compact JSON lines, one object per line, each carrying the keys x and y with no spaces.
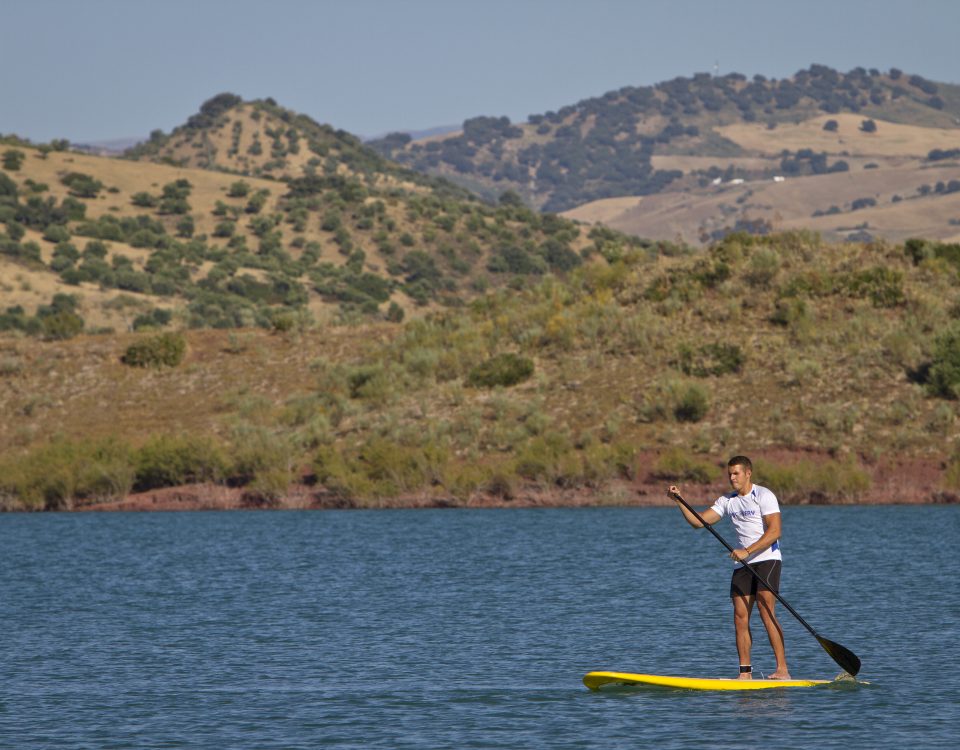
{"x":463,"y":629}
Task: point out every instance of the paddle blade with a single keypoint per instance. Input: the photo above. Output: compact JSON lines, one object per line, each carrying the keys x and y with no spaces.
{"x":848,"y":661}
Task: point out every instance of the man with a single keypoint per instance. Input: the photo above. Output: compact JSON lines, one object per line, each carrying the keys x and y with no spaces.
{"x":755,"y":514}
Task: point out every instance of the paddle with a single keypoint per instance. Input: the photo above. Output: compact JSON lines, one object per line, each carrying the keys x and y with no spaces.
{"x":848,"y":660}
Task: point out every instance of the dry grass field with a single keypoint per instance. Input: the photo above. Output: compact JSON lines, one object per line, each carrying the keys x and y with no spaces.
{"x":890,"y":139}
{"x":888,"y":166}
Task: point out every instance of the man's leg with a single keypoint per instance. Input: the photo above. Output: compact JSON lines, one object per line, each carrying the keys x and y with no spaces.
{"x":766,"y":603}
{"x":742,"y":605}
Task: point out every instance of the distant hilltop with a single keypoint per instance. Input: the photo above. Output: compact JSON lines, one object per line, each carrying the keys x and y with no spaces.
{"x":604,"y":146}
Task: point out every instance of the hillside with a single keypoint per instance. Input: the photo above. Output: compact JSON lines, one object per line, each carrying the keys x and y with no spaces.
{"x":837,"y":365}
{"x":680,"y":137}
{"x":172,"y":237}
{"x":889,"y":188}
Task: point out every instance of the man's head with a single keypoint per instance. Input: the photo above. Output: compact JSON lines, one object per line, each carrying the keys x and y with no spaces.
{"x":739,"y":471}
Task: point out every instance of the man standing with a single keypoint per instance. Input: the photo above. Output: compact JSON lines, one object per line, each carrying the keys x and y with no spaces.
{"x":755,"y":514}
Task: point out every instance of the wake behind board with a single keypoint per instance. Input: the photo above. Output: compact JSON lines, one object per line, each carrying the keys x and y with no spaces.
{"x":596,"y":680}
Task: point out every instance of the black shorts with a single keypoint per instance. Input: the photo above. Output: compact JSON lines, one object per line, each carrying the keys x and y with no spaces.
{"x":744,"y":583}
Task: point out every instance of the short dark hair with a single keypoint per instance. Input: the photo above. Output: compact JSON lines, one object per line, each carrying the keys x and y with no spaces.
{"x":740,"y":461}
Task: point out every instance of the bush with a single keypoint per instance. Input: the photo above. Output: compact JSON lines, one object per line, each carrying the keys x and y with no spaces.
{"x":677,"y":465}
{"x":13,"y":159}
{"x":943,"y":377}
{"x":161,"y":350}
{"x":680,"y":399}
{"x":60,"y":325}
{"x":82,"y":185}
{"x":502,"y":370}
{"x":238,"y":189}
{"x":64,"y":473}
{"x":56,"y":233}
{"x":882,"y":286}
{"x":168,"y":461}
{"x":813,"y":481}
{"x":692,"y":403}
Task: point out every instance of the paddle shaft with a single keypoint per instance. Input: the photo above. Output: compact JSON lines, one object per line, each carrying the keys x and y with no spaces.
{"x":748,"y":566}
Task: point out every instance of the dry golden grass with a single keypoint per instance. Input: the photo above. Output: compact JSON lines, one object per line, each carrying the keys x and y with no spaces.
{"x":890,"y":139}
{"x":686,"y":164}
{"x":790,"y":205}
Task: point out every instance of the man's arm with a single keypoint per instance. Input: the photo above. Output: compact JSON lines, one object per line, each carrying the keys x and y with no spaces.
{"x":771,"y":533}
{"x":709,"y":514}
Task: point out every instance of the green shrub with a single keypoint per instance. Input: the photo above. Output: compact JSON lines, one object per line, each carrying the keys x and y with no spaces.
{"x":763,"y":268}
{"x":82,"y":185}
{"x":262,"y":458}
{"x":882,"y":286}
{"x":678,"y":465}
{"x":144,"y":199}
{"x":238,"y":189}
{"x":808,"y":481}
{"x":56,"y":233}
{"x":381,"y":467}
{"x":168,"y":461}
{"x":13,"y":159}
{"x":161,"y":350}
{"x":943,"y":377}
{"x":65,"y":473}
{"x":692,"y":403}
{"x":60,"y":325}
{"x":502,"y":370}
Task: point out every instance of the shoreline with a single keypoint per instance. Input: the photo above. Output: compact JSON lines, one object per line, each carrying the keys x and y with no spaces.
{"x":903,"y":481}
{"x":892,"y":485}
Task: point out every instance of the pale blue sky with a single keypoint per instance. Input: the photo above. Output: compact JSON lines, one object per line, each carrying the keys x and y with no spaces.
{"x":91,"y":70}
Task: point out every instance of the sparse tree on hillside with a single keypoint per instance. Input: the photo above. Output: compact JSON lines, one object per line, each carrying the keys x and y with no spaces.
{"x":831,"y":126}
{"x":868,"y":126}
{"x":13,"y":159}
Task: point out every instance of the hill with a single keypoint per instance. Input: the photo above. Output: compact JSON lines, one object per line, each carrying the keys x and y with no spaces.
{"x":836,"y":365}
{"x":185,"y":232}
{"x":886,"y":186}
{"x":681,"y":136}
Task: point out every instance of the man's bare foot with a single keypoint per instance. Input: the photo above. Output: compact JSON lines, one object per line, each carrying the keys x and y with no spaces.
{"x":778,"y":675}
{"x":745,"y":676}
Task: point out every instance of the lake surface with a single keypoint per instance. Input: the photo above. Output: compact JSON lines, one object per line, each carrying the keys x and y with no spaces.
{"x":463,"y":629}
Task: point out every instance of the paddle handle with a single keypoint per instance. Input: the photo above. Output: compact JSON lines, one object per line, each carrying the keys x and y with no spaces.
{"x":748,"y":566}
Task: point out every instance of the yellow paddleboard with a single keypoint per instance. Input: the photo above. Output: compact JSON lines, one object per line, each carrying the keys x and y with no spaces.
{"x":596,"y":680}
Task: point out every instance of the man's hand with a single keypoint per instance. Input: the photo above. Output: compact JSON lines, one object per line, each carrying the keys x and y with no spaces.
{"x":739,"y":555}
{"x":673,"y":491}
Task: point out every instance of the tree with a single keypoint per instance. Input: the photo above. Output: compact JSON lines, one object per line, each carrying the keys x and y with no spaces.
{"x":144,"y":200}
{"x":13,"y":159}
{"x":8,"y":188}
{"x":944,"y":375}
{"x":238,"y":189}
{"x":831,"y":126}
{"x":868,"y":126}
{"x":82,"y":185}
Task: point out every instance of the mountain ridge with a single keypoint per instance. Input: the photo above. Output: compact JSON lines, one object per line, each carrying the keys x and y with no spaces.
{"x":634,"y":123}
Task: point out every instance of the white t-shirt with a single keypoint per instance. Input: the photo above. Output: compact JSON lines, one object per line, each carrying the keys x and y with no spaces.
{"x":747,"y":512}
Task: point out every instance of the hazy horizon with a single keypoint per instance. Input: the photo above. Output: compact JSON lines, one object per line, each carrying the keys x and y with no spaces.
{"x":106,"y":70}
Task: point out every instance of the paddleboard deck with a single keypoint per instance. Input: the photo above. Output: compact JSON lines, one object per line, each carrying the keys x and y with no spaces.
{"x":597,"y":680}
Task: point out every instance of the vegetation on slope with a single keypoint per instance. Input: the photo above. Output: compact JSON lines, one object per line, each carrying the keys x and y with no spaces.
{"x":603,"y":146}
{"x":162,"y":245}
{"x":760,"y":343}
